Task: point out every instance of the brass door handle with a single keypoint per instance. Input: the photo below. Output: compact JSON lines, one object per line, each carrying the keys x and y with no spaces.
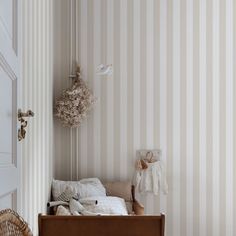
{"x":21,"y":114}
{"x":23,"y":122}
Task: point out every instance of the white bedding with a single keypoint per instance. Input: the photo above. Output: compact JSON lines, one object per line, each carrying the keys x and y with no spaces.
{"x":88,"y":192}
{"x":106,"y":205}
{"x":83,"y":188}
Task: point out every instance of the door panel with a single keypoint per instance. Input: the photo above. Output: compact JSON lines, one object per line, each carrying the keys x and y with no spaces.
{"x":8,"y":200}
{"x":9,"y":32}
{"x":9,"y":22}
{"x":7,"y":118}
{"x":7,"y":16}
{"x":9,"y":83}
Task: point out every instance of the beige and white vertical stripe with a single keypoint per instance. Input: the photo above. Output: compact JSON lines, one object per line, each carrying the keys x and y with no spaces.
{"x":37,"y":78}
{"x":173,"y":88}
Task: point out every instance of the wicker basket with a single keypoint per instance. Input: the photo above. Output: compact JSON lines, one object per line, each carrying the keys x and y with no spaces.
{"x":11,"y":224}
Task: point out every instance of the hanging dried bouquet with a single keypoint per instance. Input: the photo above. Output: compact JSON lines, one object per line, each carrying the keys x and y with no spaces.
{"x":75,"y":103}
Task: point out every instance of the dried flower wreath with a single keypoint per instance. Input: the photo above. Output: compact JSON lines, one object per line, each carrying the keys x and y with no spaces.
{"x":75,"y":103}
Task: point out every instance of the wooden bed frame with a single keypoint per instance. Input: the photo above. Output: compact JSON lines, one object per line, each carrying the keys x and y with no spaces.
{"x":101,"y":225}
{"x":132,"y":225}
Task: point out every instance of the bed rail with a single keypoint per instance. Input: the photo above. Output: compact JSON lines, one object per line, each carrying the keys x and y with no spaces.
{"x":101,"y":225}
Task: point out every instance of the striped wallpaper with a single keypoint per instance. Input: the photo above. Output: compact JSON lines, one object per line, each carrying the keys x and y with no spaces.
{"x":36,"y":44}
{"x":173,"y":88}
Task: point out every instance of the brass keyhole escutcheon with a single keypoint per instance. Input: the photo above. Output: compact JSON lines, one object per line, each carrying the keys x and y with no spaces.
{"x":23,"y":123}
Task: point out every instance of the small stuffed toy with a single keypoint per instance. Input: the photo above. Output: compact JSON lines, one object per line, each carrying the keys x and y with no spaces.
{"x":70,"y":198}
{"x":76,"y":208}
{"x":67,"y":195}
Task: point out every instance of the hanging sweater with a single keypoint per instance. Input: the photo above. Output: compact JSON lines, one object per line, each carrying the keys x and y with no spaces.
{"x":152,"y":179}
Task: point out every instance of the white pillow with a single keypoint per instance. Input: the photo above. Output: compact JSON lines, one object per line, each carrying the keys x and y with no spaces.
{"x":83,"y":188}
{"x":106,"y":205}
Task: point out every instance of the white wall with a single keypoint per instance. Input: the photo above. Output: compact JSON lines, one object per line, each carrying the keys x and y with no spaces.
{"x":173,"y":88}
{"x":36,"y":95}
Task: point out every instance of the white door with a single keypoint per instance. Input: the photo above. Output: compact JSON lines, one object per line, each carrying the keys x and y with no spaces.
{"x":9,"y":88}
